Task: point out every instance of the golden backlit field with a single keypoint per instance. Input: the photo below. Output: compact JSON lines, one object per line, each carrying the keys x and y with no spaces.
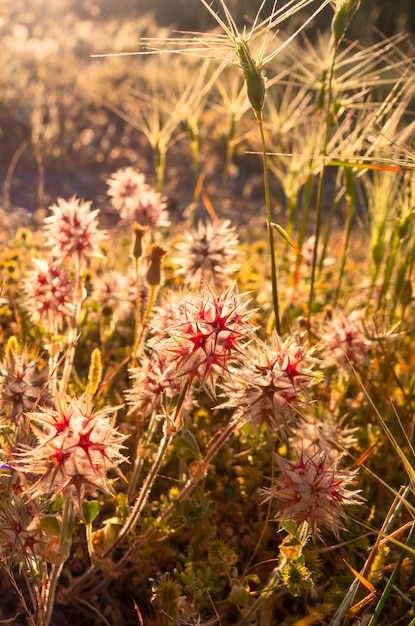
{"x":206,"y":312}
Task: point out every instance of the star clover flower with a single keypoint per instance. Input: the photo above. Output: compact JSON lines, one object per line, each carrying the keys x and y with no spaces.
{"x":313,"y":491}
{"x":208,"y":252}
{"x":135,"y":200}
{"x":20,"y":536}
{"x":49,"y":293}
{"x":23,"y":386}
{"x":272,"y":383}
{"x":344,"y":338}
{"x":151,"y":384}
{"x":75,"y":450}
{"x":125,"y":185}
{"x":72,"y":229}
{"x":210,"y":334}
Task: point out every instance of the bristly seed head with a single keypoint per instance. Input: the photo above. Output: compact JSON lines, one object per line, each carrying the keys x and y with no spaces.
{"x":314,"y":491}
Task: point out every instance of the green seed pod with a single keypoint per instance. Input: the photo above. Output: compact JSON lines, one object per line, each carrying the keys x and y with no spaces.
{"x":344,"y":11}
{"x":254,"y":80}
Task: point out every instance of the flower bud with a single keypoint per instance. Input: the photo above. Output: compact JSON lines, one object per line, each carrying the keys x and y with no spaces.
{"x":154,"y":258}
{"x":344,"y":11}
{"x":138,"y":232}
{"x":254,"y":80}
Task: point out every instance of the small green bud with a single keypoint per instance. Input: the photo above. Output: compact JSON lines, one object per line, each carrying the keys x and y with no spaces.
{"x":238,"y":594}
{"x":296,"y":577}
{"x":344,"y":11}
{"x":254,"y":80}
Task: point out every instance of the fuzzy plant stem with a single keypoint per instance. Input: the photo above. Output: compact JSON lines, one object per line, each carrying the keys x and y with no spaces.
{"x":187,"y":488}
{"x":140,"y":335}
{"x":139,"y":459}
{"x":57,"y":567}
{"x":269,"y":225}
{"x":171,"y":427}
{"x":144,"y":493}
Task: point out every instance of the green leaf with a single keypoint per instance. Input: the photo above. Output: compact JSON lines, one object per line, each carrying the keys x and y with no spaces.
{"x":90,"y":509}
{"x":287,"y":238}
{"x":50,"y":525}
{"x":188,"y":448}
{"x":290,"y":526}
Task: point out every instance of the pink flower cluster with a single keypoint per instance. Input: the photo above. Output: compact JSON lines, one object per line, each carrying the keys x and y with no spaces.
{"x":272,"y":382}
{"x":49,"y":293}
{"x":75,"y":450}
{"x":72,"y":229}
{"x":208,"y":336}
{"x":135,"y":200}
{"x":313,"y":491}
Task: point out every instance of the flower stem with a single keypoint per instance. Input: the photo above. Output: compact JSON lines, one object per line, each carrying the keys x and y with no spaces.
{"x":58,"y":566}
{"x":321,"y":181}
{"x":269,"y":225}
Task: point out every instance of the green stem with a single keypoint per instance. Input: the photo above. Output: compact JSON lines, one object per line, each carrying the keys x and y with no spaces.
{"x":195,"y":147}
{"x":320,"y":187}
{"x":388,"y":588}
{"x":160,"y":163}
{"x":350,"y":214}
{"x":57,"y":567}
{"x":269,"y":226}
{"x":72,"y":335}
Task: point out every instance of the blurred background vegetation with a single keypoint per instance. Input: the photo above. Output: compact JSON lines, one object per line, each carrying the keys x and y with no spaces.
{"x":386,"y":16}
{"x":57,"y":134}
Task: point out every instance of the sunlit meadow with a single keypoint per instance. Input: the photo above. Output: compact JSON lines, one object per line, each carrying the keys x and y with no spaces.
{"x":207,"y":383}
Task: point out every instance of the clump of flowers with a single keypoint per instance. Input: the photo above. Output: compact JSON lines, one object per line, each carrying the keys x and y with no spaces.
{"x":23,"y":386}
{"x":49,"y":293}
{"x":272,"y":383}
{"x":344,"y":339}
{"x":313,"y":490}
{"x":111,"y":290}
{"x":323,"y":435}
{"x":209,"y":335}
{"x":72,"y":229}
{"x":125,"y":185}
{"x":151,"y":384}
{"x":135,"y":200}
{"x":208,"y":252}
{"x":76,"y":448}
{"x":20,"y":535}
